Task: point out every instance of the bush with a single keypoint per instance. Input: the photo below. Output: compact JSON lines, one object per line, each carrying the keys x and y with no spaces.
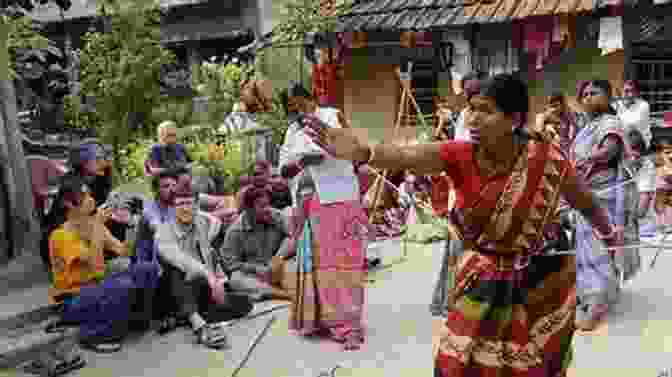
{"x":222,"y":160}
{"x":132,"y":160}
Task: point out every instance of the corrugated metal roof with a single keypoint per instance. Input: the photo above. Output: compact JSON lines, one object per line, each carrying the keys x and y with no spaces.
{"x":425,"y":14}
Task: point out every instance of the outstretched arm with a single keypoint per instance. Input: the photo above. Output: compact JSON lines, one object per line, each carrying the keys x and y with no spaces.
{"x":422,"y":158}
{"x":344,"y":144}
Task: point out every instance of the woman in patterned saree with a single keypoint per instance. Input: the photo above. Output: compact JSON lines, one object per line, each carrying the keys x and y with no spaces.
{"x":330,"y":251}
{"x":513,"y":311}
{"x":600,"y":151}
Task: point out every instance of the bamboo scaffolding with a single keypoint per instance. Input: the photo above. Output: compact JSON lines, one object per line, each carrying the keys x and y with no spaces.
{"x":379,"y":183}
{"x":406,"y":96}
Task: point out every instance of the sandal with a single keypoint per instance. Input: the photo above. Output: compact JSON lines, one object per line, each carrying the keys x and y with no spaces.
{"x":353,"y":343}
{"x":102,"y":347}
{"x":212,"y":336}
{"x":58,"y":327}
{"x":53,"y":367}
{"x":168,"y":324}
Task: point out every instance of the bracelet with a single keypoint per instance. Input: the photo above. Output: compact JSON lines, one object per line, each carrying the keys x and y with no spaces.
{"x":610,"y":235}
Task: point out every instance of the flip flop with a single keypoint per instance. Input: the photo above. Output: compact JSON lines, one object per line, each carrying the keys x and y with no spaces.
{"x":102,"y":347}
{"x":212,"y":336}
{"x":57,"y":368}
{"x":168,"y":324}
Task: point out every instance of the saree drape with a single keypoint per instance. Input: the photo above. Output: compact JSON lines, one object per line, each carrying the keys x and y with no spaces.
{"x":329,"y":270}
{"x":599,"y":275}
{"x":511,"y":309}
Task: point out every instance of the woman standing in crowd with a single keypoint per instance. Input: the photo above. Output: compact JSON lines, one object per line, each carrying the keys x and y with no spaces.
{"x":330,"y":264}
{"x":634,"y":111}
{"x":504,"y":296}
{"x":600,"y":152}
{"x":662,"y":144}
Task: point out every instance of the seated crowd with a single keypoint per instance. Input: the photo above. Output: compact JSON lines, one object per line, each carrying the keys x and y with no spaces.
{"x":193,"y":261}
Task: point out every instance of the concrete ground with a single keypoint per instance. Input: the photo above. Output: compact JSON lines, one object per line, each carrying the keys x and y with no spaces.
{"x":399,"y":334}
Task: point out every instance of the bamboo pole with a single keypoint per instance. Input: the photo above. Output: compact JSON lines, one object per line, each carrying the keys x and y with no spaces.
{"x":379,"y":183}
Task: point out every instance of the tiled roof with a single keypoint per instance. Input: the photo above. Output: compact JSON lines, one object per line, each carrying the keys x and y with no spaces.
{"x":426,"y":14}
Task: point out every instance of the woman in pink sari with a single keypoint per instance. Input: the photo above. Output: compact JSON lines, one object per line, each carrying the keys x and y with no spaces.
{"x":329,"y":272}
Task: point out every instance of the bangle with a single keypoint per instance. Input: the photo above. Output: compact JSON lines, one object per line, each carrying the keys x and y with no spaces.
{"x":372,"y":154}
{"x":608,"y":236}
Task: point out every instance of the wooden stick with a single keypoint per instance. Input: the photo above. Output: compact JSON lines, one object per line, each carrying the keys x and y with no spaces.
{"x":254,"y":344}
{"x":255,"y":315}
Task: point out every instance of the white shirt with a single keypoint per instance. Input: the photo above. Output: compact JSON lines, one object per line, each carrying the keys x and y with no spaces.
{"x":636,"y":117}
{"x":297,"y":144}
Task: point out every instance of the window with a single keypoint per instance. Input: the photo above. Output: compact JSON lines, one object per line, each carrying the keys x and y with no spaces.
{"x":655,"y":79}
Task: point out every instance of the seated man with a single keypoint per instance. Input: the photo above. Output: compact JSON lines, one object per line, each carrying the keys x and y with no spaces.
{"x":103,"y":304}
{"x":194,"y":273}
{"x":168,"y":156}
{"x":160,"y":210}
{"x":256,"y":245}
{"x":281,"y":196}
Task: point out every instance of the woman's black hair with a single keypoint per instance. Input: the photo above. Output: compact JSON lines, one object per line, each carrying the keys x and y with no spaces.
{"x":509,"y":93}
{"x":556,"y":96}
{"x":605,"y":85}
{"x":71,"y":185}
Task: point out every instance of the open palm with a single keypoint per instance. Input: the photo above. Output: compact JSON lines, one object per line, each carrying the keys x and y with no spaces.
{"x":344,"y":144}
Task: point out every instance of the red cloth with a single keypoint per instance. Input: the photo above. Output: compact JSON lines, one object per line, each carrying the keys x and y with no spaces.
{"x":324,"y":83}
{"x":667,"y":118}
{"x":441,"y":187}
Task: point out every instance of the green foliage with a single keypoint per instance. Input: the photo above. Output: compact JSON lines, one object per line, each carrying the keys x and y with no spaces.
{"x":77,"y":117}
{"x":276,"y":120}
{"x":224,"y":160}
{"x":220,"y":84}
{"x":301,"y":17}
{"x":122,"y":67}
{"x":282,"y":64}
{"x":23,"y":39}
{"x":179,"y":110}
{"x":132,"y":160}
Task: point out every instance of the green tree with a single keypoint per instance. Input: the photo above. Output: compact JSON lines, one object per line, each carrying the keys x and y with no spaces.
{"x":302,"y":17}
{"x":121,"y":68}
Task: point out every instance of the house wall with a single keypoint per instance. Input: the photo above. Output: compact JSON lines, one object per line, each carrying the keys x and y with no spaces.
{"x":370,"y":97}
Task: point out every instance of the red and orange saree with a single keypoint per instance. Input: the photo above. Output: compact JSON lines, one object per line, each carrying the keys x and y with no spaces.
{"x":513,"y":308}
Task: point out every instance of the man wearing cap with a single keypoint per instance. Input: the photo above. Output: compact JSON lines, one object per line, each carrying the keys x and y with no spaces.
{"x":193,"y":271}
